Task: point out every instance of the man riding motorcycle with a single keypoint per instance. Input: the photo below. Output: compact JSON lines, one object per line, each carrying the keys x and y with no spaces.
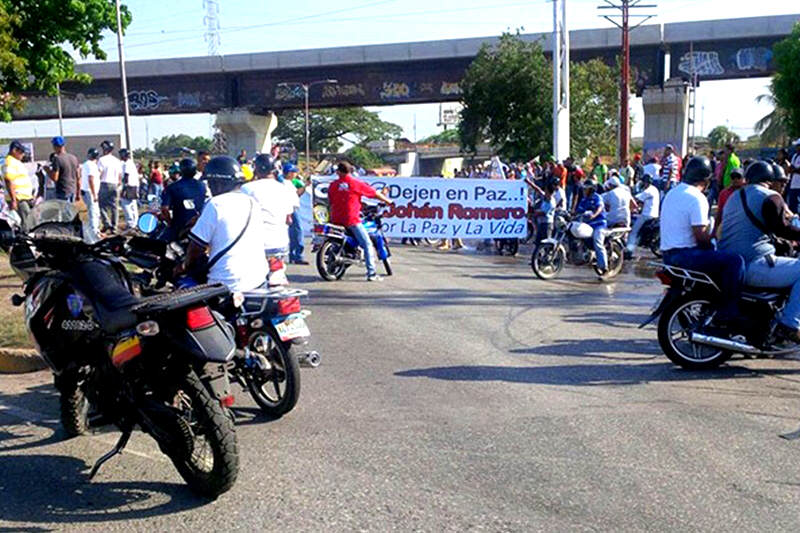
{"x":650,"y":199}
{"x":617,"y":200}
{"x":591,"y":205}
{"x":753,"y":216}
{"x":230,"y":227}
{"x":182,"y":201}
{"x":686,"y":242}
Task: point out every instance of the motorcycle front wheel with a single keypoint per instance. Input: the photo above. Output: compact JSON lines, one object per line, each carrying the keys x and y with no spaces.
{"x":329,"y":265}
{"x":547,"y":260}
{"x":203,"y":444}
{"x":677,"y":322}
{"x":74,"y":406}
{"x":276,"y":388}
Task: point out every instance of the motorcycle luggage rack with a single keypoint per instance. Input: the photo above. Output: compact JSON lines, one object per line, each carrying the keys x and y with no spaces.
{"x":180,"y":298}
{"x":684,"y":273}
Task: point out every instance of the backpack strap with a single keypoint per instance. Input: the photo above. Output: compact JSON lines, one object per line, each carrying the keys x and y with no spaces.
{"x":757,"y":223}
{"x":213,"y":261}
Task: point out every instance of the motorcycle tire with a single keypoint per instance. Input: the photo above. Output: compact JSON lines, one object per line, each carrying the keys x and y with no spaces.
{"x":325,"y":267}
{"x":74,"y":408}
{"x":615,"y":259}
{"x":686,"y":313}
{"x":218,"y":434}
{"x":387,"y":266}
{"x":285,"y":371}
{"x":547,"y":260}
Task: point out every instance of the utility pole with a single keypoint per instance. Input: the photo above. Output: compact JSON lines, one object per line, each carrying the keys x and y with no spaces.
{"x":60,"y":114}
{"x":125,"y":108}
{"x":561,"y":131}
{"x":624,"y":6}
{"x":211,"y":21}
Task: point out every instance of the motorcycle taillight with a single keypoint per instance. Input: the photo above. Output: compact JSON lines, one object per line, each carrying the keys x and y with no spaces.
{"x":288,"y":306}
{"x":199,"y":318}
{"x":664,"y":277}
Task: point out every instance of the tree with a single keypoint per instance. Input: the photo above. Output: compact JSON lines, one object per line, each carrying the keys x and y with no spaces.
{"x":445,"y":137}
{"x":786,"y":83}
{"x":721,"y":135}
{"x":330,"y":127}
{"x":772,"y":126}
{"x":33,"y":34}
{"x":363,"y":157}
{"x":594,"y":107}
{"x":173,"y":145}
{"x":507,"y":99}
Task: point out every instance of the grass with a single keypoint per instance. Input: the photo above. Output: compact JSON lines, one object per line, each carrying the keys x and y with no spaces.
{"x":13,"y":333}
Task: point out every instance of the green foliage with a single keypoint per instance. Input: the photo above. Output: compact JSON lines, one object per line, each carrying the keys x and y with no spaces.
{"x":363,"y":157}
{"x":786,"y":83}
{"x":772,"y":127}
{"x":445,"y":137}
{"x":594,"y":107}
{"x":507,"y":97}
{"x":720,"y":136}
{"x":329,"y":127}
{"x":33,"y":37}
{"x":171,"y":145}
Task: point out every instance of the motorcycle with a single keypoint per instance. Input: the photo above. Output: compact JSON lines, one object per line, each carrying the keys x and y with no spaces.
{"x":650,"y":236}
{"x":270,"y":324}
{"x":159,"y":363}
{"x":572,"y":242}
{"x":339,"y":249}
{"x":685,"y":312}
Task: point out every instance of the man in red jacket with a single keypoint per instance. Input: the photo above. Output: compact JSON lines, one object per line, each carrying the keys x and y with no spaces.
{"x":345,"y":195}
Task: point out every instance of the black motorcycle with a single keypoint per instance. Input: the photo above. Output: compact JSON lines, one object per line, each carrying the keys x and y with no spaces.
{"x":650,"y":236}
{"x":686,"y":330}
{"x":271,"y":330}
{"x":158,"y":363}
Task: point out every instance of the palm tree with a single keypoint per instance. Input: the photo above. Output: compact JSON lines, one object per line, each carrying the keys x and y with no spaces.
{"x":772,"y":126}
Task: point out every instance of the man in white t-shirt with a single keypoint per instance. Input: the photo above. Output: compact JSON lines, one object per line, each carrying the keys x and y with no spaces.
{"x":277,"y":202}
{"x":686,"y":241}
{"x":110,"y":179}
{"x":90,"y":188}
{"x":130,"y":188}
{"x":793,"y":195}
{"x":650,"y":199}
{"x":230,"y":228}
{"x":617,"y":202}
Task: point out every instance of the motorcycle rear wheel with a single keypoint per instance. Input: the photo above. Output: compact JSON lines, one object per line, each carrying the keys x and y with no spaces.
{"x":615,"y":259}
{"x":276,"y":390}
{"x":680,"y":318}
{"x":211,"y":466}
{"x":327,"y":264}
{"x":547,"y":260}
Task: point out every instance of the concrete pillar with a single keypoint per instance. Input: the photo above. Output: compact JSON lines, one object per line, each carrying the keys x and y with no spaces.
{"x":666,"y":117}
{"x":243,"y":129}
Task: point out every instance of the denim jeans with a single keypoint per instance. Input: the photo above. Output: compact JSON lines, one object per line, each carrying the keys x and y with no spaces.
{"x":60,"y":195}
{"x":361,"y":235}
{"x":633,"y":238}
{"x":792,"y":197}
{"x":94,"y":213}
{"x":785,"y":273}
{"x":295,"y":239}
{"x":725,"y":268}
{"x":599,"y":243}
{"x":543,"y":231}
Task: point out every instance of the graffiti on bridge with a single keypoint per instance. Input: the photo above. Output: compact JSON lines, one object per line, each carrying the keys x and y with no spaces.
{"x":340,"y":91}
{"x":145,"y":100}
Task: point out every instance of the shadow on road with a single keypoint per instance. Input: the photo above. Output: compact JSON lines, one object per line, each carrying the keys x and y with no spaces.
{"x":60,"y":493}
{"x":599,"y":348}
{"x":587,"y":375}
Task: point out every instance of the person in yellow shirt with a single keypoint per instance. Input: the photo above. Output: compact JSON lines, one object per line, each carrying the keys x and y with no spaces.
{"x":18,"y":183}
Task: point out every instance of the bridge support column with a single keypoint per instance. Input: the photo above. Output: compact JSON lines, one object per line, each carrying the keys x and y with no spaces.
{"x":246,"y":130}
{"x":666,"y":117}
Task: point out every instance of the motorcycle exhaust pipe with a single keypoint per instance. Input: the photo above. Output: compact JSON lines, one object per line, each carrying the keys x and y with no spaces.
{"x":310,"y":359}
{"x":724,"y":344}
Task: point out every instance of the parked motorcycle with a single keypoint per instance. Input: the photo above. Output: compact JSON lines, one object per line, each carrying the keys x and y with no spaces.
{"x":685,"y":314}
{"x":270,"y":324}
{"x":572,"y":242}
{"x":340,"y":250}
{"x":159,"y":363}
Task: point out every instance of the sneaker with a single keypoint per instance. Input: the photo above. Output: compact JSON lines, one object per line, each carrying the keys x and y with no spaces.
{"x":299,"y":262}
{"x":374,"y":277}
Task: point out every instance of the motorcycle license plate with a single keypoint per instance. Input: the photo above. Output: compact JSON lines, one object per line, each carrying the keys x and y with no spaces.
{"x":291,"y":327}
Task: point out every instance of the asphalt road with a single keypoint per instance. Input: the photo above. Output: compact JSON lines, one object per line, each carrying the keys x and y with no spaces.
{"x":461,"y":394}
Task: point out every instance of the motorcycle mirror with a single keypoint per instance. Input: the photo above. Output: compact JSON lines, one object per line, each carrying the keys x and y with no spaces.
{"x":147,"y":223}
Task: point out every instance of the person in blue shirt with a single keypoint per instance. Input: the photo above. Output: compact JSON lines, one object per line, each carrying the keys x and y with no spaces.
{"x":545,"y":212}
{"x":182,"y":201}
{"x":593,"y":211}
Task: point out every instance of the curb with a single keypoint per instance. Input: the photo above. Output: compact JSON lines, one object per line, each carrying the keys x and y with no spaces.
{"x":20,"y":361}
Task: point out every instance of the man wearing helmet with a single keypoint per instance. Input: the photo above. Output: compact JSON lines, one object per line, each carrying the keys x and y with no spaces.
{"x":110,"y":178}
{"x":686,"y":241}
{"x":230,"y":228}
{"x":182,"y":201}
{"x":90,"y":187}
{"x":593,"y":210}
{"x":753,"y":216}
{"x":650,"y":199}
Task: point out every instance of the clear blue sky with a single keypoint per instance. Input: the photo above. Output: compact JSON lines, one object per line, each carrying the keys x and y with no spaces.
{"x":175,"y":28}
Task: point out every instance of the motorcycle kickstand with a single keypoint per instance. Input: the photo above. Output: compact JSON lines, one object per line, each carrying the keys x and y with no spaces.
{"x":121,"y":443}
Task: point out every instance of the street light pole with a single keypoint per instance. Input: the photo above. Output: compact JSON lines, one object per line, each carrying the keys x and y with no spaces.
{"x":308,"y":132}
{"x":60,"y":114}
{"x":125,"y":107}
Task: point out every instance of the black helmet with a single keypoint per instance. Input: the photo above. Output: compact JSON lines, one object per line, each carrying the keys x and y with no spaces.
{"x":780,"y":174}
{"x":647,"y":179}
{"x":187,"y":167}
{"x":698,"y":169}
{"x":93,"y":153}
{"x":124,"y":152}
{"x":759,"y":172}
{"x":222,"y":174}
{"x":107,"y":146}
{"x":264,"y":164}
{"x":591,"y":184}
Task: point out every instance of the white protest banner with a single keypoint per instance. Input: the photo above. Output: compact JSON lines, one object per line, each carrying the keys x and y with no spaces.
{"x":445,"y":208}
